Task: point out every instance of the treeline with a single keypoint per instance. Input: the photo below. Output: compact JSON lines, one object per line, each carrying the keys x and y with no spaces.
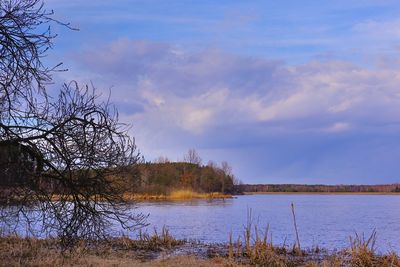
{"x":385,"y":188}
{"x":164,"y":178}
{"x":18,"y":168}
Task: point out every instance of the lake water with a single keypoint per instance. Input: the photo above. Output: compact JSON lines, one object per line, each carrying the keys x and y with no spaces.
{"x":323,"y":220}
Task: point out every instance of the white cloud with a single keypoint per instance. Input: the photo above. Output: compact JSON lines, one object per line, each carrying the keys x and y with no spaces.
{"x":196,"y":93}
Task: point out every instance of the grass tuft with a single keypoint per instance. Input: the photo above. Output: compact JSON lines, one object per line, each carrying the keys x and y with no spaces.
{"x":363,"y":250}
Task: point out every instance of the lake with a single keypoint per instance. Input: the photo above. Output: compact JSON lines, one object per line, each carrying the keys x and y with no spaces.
{"x":323,"y":220}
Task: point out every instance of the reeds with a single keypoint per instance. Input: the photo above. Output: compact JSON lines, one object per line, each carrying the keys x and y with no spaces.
{"x":298,"y":249}
{"x":362,"y":253}
{"x":363,"y":250}
{"x":145,"y":241}
{"x":123,"y":251}
{"x":257,"y":249}
{"x":176,"y":195}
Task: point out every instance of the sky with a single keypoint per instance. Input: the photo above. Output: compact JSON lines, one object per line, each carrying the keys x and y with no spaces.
{"x":285,"y":91}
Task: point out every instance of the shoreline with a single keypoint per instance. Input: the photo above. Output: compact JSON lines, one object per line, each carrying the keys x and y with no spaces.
{"x":176,"y":195}
{"x":182,"y":195}
{"x":164,"y":250}
{"x":173,"y":196}
{"x":321,"y":193}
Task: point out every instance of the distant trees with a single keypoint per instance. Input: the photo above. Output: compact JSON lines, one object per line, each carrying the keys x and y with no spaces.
{"x":162,"y":159}
{"x":192,"y":157}
{"x":62,"y":159}
{"x":318,"y":188}
{"x":164,"y":176}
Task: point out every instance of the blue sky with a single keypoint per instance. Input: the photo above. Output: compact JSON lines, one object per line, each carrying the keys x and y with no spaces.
{"x":286,"y":91}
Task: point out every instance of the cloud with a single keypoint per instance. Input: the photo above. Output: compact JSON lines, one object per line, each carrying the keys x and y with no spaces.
{"x":195,"y":91}
{"x":217,"y":101}
{"x":339,"y":127}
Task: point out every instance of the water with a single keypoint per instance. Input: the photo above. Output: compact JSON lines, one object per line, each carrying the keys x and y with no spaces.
{"x":326,"y":221}
{"x":323,"y":220}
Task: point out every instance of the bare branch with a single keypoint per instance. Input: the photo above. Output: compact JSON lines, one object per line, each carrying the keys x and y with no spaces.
{"x":62,"y":160}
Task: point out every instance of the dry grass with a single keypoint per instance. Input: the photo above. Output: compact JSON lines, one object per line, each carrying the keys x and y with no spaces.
{"x":176,"y":195}
{"x":16,"y":251}
{"x":193,"y":261}
{"x":362,"y":251}
{"x":147,"y":242}
{"x":157,"y":249}
{"x":123,"y":251}
{"x":257,"y":250}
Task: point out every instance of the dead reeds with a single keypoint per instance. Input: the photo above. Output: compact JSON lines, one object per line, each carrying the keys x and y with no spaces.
{"x":149,"y":242}
{"x":257,"y":248}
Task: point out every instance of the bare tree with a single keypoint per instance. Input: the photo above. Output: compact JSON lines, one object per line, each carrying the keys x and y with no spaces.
{"x":162,"y":159}
{"x":62,"y":160}
{"x":212,"y":164}
{"x":226,"y":168}
{"x":192,"y":157}
{"x":25,"y":37}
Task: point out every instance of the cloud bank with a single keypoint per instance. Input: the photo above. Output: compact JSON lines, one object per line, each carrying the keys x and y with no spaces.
{"x":321,"y":121}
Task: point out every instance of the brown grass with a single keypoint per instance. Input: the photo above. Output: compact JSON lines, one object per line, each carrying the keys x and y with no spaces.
{"x":147,"y":242}
{"x":158,"y":249}
{"x":258,"y":251}
{"x":362,"y":251}
{"x":176,"y":195}
{"x":16,"y":251}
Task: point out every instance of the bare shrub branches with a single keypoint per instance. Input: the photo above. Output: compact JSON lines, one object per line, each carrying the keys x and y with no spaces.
{"x":25,"y":37}
{"x":62,"y":160}
{"x":80,"y":152}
